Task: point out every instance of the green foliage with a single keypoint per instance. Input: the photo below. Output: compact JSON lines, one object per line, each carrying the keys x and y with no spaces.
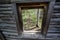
{"x":31,"y":12}
{"x":30,"y":18}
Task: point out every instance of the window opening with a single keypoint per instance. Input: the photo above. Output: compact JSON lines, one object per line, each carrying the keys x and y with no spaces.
{"x":32,"y":19}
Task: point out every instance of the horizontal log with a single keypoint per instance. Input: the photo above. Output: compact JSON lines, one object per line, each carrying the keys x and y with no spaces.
{"x":9,"y":33}
{"x":54,"y":23}
{"x":8,"y":25}
{"x":14,"y":23}
{"x":11,"y":38}
{"x":57,"y":6}
{"x":56,"y":14}
{"x":54,"y":26}
{"x":6,"y":9}
{"x":9,"y":30}
{"x":57,"y":3}
{"x":56,"y":11}
{"x":14,"y":37}
{"x":52,"y":31}
{"x":8,"y":19}
{"x":4,"y":22}
{"x":55,"y":19}
{"x":7,"y":5}
{"x":52,"y":35}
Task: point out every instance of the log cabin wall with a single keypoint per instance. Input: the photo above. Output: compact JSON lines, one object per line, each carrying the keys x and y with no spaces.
{"x":9,"y":28}
{"x":7,"y":22}
{"x":54,"y":28}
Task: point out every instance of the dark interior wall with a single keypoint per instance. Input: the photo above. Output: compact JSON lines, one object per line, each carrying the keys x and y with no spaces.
{"x":8,"y":22}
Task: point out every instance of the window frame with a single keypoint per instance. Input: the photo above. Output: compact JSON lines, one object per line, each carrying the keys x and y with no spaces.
{"x":29,"y":7}
{"x":49,"y":14}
